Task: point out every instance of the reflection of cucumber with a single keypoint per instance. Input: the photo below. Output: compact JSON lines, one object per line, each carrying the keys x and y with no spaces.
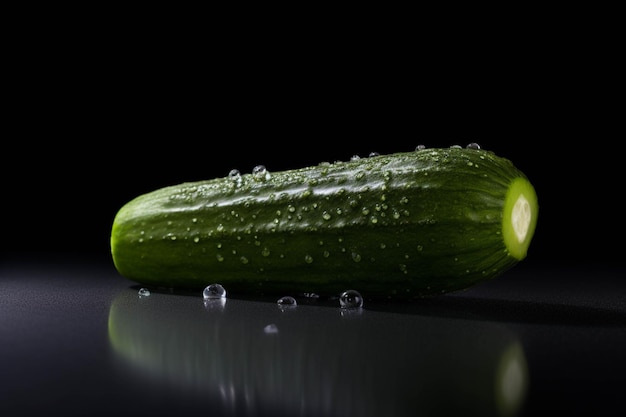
{"x":252,"y":358}
{"x":406,"y":224}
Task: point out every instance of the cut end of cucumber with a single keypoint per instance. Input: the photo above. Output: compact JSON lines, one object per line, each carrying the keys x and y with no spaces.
{"x":520,"y":217}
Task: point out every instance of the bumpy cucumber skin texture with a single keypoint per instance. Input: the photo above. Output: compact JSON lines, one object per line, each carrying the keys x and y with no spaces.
{"x":408,"y":224}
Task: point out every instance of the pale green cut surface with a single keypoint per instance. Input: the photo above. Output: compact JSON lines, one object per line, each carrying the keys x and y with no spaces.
{"x":520,"y":217}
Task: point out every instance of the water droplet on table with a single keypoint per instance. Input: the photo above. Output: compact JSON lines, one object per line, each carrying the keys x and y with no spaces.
{"x":214,"y":304}
{"x":351,"y":299}
{"x":214,"y":291}
{"x":270,"y":329}
{"x":287,"y":301}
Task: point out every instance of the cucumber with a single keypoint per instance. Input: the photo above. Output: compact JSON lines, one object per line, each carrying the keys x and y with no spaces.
{"x":408,"y":224}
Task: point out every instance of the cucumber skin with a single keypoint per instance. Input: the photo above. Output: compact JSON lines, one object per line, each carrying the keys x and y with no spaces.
{"x":408,"y":224}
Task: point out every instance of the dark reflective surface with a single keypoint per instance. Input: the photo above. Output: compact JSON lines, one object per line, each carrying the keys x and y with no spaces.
{"x":77,"y":339}
{"x":252,"y":356}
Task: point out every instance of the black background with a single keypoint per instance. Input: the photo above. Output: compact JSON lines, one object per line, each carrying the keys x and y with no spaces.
{"x":96,"y":117}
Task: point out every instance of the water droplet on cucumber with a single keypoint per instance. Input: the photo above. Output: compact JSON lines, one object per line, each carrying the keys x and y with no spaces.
{"x":260,"y":173}
{"x":235,"y":176}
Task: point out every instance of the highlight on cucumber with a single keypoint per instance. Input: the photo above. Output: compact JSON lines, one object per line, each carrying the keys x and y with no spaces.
{"x":406,"y":225}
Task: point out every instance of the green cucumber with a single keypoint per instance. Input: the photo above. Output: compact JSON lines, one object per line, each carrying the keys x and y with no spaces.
{"x":409,"y":224}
